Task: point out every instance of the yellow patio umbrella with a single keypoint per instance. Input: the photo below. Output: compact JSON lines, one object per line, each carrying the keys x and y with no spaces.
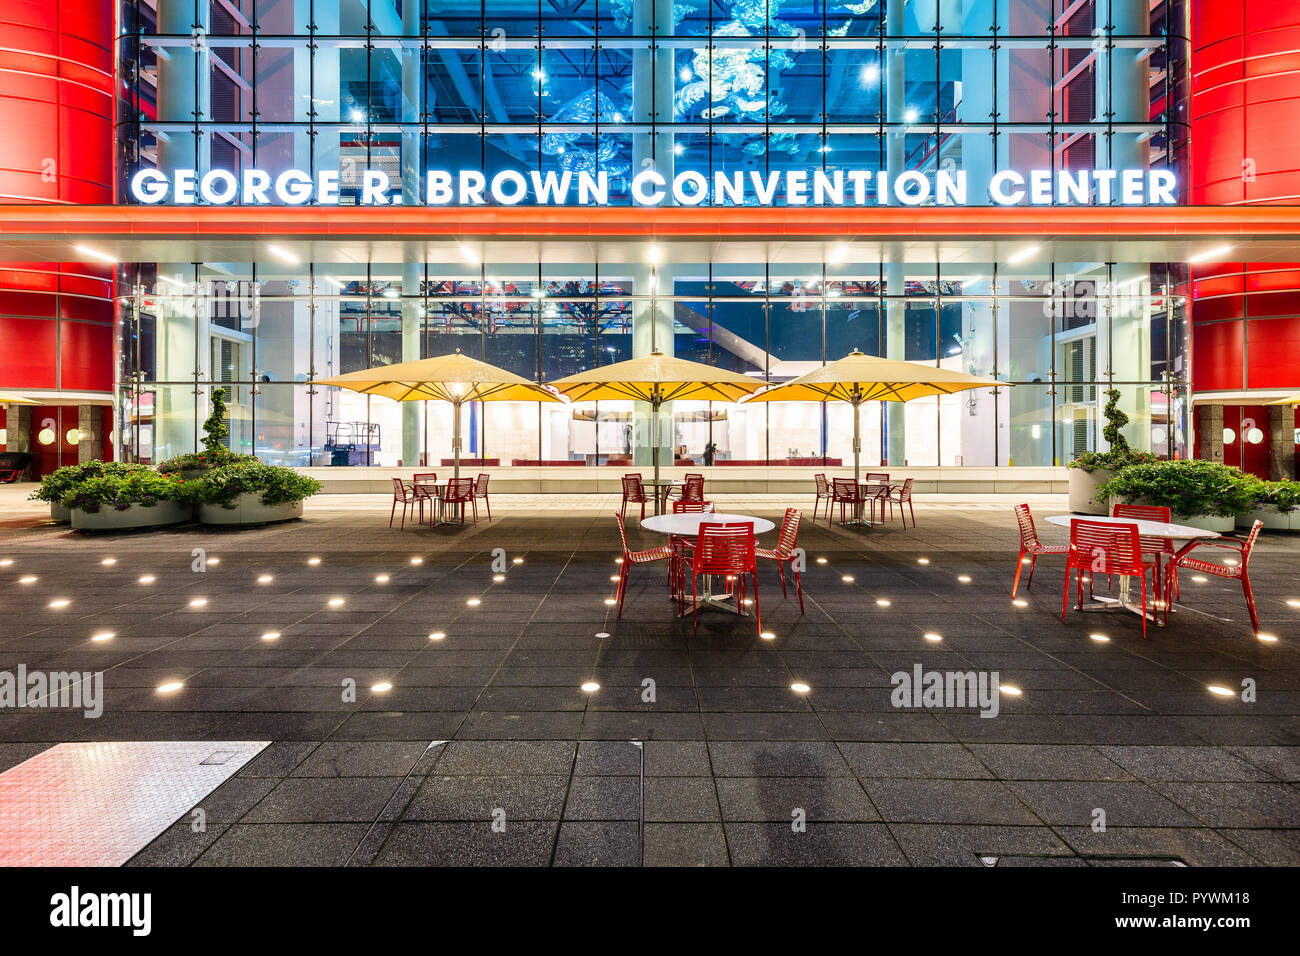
{"x":859,"y":378}
{"x":656,"y":378}
{"x":451,"y":378}
{"x":11,"y":398}
{"x":1289,"y":400}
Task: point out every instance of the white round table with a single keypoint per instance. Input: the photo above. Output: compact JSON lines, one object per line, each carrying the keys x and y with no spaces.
{"x":1145,"y":528}
{"x":688,"y":525}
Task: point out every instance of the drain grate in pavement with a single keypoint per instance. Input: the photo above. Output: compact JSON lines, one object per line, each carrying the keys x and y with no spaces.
{"x":98,"y":804}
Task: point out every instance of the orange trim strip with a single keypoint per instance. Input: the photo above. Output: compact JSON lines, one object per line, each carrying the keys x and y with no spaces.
{"x":669,"y":222}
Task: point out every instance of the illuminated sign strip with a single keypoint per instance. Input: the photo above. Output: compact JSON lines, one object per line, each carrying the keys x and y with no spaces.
{"x":795,"y":187}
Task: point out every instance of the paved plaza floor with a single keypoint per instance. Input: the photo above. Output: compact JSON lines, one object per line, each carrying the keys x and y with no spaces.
{"x":694,"y":749}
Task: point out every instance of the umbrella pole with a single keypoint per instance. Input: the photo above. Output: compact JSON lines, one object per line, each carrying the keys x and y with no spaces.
{"x":857,"y":453}
{"x":455,"y":438}
{"x":654,"y":445}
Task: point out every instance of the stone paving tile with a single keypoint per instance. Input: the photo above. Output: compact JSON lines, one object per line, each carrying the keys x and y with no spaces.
{"x":729,"y":750}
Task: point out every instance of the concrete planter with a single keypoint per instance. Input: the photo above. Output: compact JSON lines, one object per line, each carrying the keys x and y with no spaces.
{"x":1208,"y":522}
{"x":1083,"y":488}
{"x":135,"y":516}
{"x":1273,"y":519}
{"x":59,"y":513}
{"x":249,"y":510}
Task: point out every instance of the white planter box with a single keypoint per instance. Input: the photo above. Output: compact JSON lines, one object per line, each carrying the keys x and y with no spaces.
{"x":249,"y":510}
{"x":1208,"y":522}
{"x":1273,"y":519}
{"x":135,"y":516}
{"x":1083,"y":488}
{"x":60,"y":514}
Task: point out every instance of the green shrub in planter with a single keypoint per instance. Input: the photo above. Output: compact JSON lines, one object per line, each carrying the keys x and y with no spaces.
{"x":274,"y":485}
{"x":1283,"y":495}
{"x":215,"y":454}
{"x":59,"y":483}
{"x":120,"y":491}
{"x":1187,"y":488}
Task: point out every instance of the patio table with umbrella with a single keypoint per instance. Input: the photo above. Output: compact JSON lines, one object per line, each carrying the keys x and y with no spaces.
{"x":859,"y":378}
{"x":453,"y":378}
{"x":656,"y":378}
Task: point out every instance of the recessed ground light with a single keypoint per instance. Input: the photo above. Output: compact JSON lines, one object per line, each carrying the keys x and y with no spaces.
{"x":198,"y":602}
{"x":882,"y":602}
{"x":109,"y":561}
{"x":313,"y":561}
{"x":147,"y":579}
{"x":1220,"y":691}
{"x":767,"y":636}
{"x":102,"y":636}
{"x":6,"y":562}
{"x":213,"y":560}
{"x":847,"y":579}
{"x":799,"y":687}
{"x":59,"y":602}
{"x":590,"y":687}
{"x":922,"y":560}
{"x":933,"y":637}
{"x":1025,"y":560}
{"x":610,"y":601}
{"x":473,"y":602}
{"x":613,"y":577}
{"x":1199,"y":578}
{"x":1266,"y":638}
{"x":748,"y":602}
{"x":1010,"y":689}
{"x":821,"y":560}
{"x":964,"y":578}
{"x":170,"y":687}
{"x":437,"y":635}
{"x":498,"y":578}
{"x":1230,"y":562}
{"x":28,"y":579}
{"x":270,"y":635}
{"x":335,"y":602}
{"x":264,"y":579}
{"x":417,"y":560}
{"x":618,"y":560}
{"x":381,"y":579}
{"x":602,"y":634}
{"x":1099,"y":638}
{"x":1292,"y":602}
{"x":1020,"y":602}
{"x":382,"y":687}
{"x":518,"y":561}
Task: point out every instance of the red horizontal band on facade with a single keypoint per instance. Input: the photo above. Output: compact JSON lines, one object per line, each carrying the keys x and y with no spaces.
{"x":18,"y":222}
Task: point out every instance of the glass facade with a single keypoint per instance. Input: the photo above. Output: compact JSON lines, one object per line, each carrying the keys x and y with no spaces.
{"x":619,"y":86}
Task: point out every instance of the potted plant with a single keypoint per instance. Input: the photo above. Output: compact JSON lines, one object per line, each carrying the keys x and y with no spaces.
{"x":1204,"y":494}
{"x":137,"y":499}
{"x":215,"y":452}
{"x":245,"y":492}
{"x":1277,"y":504}
{"x":59,"y":483}
{"x":1092,"y":469}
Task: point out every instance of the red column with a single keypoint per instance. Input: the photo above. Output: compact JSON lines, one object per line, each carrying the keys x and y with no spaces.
{"x":1245,"y":151}
{"x":56,"y":146}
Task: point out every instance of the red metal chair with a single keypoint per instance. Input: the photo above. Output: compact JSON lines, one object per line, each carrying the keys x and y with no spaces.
{"x":460,"y":491}
{"x":630,"y":557}
{"x":903,"y":496}
{"x":784,"y":552}
{"x":725,"y":550}
{"x":1237,"y":571}
{"x":876,"y":490}
{"x":680,"y":543}
{"x":844,"y":491}
{"x":1100,"y":548}
{"x":823,"y":491}
{"x":408,"y":498}
{"x":1160,"y":547}
{"x":693,"y":490}
{"x":481,"y":491}
{"x":634,"y":492}
{"x":1030,"y":546}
